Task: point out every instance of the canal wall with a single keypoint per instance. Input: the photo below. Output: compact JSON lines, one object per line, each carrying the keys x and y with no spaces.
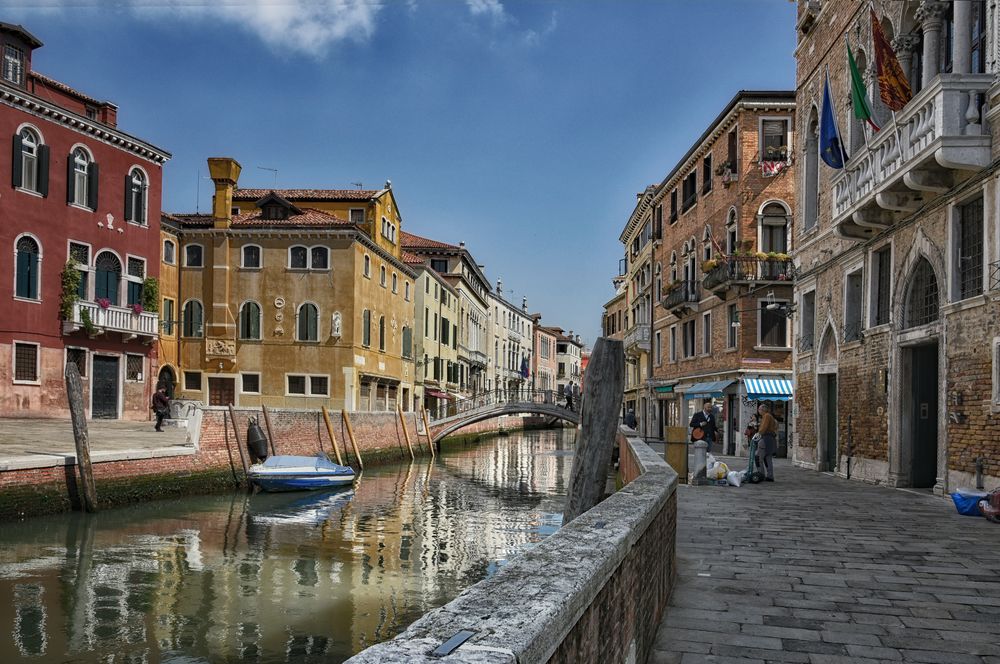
{"x":595,"y":591}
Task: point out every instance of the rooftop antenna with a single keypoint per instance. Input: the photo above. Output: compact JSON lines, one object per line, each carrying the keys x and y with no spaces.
{"x":273,"y":170}
{"x":359,"y":185}
{"x":197,"y":202}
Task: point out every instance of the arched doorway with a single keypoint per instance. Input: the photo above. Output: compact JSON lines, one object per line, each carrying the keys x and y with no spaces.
{"x":827,"y":445}
{"x":168,"y":379}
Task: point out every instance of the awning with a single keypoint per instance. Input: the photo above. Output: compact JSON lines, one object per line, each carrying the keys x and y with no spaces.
{"x":768,"y":389}
{"x":710,"y":389}
{"x":664,"y":389}
{"x":439,"y":395}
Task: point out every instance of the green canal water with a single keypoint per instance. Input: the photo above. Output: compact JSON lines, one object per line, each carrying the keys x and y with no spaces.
{"x":277,"y":577}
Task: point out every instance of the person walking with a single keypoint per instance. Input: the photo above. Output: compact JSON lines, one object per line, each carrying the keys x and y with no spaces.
{"x":569,"y":394}
{"x":161,"y":406}
{"x":630,"y":420}
{"x":768,"y":444}
{"x":704,"y":419}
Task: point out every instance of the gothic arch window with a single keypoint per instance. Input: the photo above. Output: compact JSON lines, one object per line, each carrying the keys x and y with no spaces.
{"x":673,"y":266}
{"x":732,"y":235}
{"x":921,"y":296}
{"x":810,"y":187}
{"x":774,"y":228}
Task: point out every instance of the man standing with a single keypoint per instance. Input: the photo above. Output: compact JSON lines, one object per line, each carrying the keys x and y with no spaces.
{"x":161,"y":406}
{"x":569,"y":394}
{"x":705,"y":420}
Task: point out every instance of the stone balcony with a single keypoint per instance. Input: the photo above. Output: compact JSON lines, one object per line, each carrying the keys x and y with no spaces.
{"x":117,"y":319}
{"x":739,"y":270}
{"x":933,"y":143}
{"x":637,"y":339}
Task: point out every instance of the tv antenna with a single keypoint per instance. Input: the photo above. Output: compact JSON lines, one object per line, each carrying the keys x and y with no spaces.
{"x":273,"y":170}
{"x":359,"y":185}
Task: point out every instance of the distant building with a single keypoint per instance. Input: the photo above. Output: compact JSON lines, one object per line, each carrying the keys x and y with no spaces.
{"x":81,"y":234}
{"x":513,"y":340}
{"x":436,"y":327}
{"x":569,"y":355}
{"x":545,"y":364}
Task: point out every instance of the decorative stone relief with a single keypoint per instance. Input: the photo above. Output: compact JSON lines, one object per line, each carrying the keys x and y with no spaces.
{"x":278,"y":331}
{"x":279,"y":317}
{"x":336,"y":325}
{"x":220,"y":347}
{"x":279,"y":302}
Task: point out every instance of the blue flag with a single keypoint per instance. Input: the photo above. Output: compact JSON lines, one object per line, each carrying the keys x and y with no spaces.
{"x":524,"y":367}
{"x":831,"y":147}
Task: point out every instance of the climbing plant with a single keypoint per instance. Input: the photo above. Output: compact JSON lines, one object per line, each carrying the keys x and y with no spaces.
{"x":70,"y":290}
{"x":151,"y":295}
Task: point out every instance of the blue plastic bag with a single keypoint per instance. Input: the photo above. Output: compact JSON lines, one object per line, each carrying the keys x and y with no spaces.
{"x":966,"y":504}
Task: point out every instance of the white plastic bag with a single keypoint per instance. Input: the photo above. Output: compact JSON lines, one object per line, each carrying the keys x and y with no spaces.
{"x":733,"y":477}
{"x":710,"y":461}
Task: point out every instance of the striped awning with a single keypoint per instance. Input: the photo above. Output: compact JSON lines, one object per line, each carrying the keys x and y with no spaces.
{"x":709,"y":389}
{"x":768,"y":389}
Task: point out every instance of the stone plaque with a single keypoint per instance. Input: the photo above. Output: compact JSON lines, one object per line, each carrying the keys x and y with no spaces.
{"x":220,"y":348}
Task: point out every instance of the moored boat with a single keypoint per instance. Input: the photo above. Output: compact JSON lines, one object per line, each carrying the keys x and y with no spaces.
{"x":299,"y":473}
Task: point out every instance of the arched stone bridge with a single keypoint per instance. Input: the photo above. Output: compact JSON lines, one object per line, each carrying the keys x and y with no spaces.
{"x":485,"y":408}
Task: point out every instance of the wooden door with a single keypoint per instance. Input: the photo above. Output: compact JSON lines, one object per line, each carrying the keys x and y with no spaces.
{"x":221,"y":391}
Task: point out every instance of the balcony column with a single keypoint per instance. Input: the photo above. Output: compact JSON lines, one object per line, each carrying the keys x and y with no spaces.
{"x":905,"y":45}
{"x":962,"y":44}
{"x":929,"y":14}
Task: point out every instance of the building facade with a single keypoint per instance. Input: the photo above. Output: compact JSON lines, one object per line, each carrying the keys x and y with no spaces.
{"x":545,"y":365}
{"x":513,"y":340}
{"x":82,"y":234}
{"x":569,"y":357}
{"x":636,"y":271}
{"x":721,"y":275}
{"x":898,"y":370}
{"x":294,"y":298}
{"x":436,"y":327}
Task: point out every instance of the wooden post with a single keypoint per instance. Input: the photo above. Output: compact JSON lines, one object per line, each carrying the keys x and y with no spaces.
{"x":354,"y":443}
{"x":598,"y":427}
{"x":229,"y":450}
{"x":402,"y":423}
{"x":239,"y":441}
{"x":427,"y":432}
{"x":270,"y":434}
{"x":74,"y":394}
{"x":333,"y":438}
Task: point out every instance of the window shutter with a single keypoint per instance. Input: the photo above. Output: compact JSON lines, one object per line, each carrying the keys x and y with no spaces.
{"x":22,"y":288}
{"x":140,"y":214}
{"x":16,"y":163}
{"x":128,"y":196}
{"x":43,"y":170}
{"x":93,"y":173}
{"x":70,"y":180}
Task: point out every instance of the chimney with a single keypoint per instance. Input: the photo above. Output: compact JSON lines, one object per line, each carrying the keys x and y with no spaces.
{"x":461,"y":244}
{"x":524,"y":304}
{"x":225,"y":172}
{"x":388,"y":184}
{"x":578,"y":338}
{"x":499,"y":287}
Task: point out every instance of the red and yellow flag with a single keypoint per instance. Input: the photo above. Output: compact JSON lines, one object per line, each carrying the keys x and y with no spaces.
{"x":893,"y":86}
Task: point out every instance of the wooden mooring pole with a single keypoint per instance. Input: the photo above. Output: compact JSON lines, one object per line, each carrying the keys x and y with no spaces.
{"x":74,"y":394}
{"x":333,"y":438}
{"x":354,"y":443}
{"x":402,"y":423}
{"x":602,"y":400}
{"x":427,"y":432}
{"x":239,"y":441}
{"x":270,"y":434}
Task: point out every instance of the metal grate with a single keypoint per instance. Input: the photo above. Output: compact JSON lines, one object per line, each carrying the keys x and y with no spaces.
{"x":995,"y":276}
{"x":970,"y":250}
{"x":852,"y":331}
{"x":922,"y":301}
{"x":319,"y":385}
{"x":77,"y":356}
{"x":883,"y":272}
{"x":79,"y":253}
{"x":27,"y":245}
{"x":251,"y":382}
{"x":137,"y":268}
{"x":133,"y":367}
{"x":108,"y":262}
{"x":805,"y":342}
{"x":25,"y":362}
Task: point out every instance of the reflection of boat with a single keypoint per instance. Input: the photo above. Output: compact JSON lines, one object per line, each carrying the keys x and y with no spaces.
{"x":314,"y":509}
{"x":298,"y":473}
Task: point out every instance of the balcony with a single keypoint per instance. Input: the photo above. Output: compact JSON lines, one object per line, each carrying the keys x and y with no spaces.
{"x":637,"y":339}
{"x":113,"y":319}
{"x":736,"y":270}
{"x":936,"y":141}
{"x":683,"y":296}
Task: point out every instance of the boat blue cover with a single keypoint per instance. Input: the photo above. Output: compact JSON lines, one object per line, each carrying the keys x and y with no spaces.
{"x":301,"y":462}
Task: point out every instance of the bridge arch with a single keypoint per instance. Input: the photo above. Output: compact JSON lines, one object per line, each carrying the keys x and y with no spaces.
{"x":450,"y":425}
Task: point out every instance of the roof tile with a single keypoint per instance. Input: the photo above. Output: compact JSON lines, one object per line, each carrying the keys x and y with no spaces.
{"x":307,"y":194}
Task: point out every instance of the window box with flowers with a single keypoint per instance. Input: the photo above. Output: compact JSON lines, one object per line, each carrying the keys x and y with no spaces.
{"x":725,"y":171}
{"x":103,"y":302}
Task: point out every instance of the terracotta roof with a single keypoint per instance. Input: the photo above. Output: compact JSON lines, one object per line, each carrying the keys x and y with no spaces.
{"x":53,"y":83}
{"x":411,"y":240}
{"x":253,"y":219}
{"x":307,"y":194}
{"x":412,"y":259}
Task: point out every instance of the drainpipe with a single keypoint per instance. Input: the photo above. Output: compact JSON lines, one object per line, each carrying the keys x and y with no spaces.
{"x":980,"y":463}
{"x":850,"y":445}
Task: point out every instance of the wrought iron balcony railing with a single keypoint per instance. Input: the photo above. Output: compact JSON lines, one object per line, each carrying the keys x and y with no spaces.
{"x":743,"y":269}
{"x":682,"y":295}
{"x":638,"y":337}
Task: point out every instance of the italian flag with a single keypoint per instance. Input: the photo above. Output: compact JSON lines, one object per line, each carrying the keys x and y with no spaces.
{"x":859,"y":95}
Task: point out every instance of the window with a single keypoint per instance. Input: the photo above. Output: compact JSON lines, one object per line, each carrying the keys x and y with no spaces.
{"x":250,"y":321}
{"x":368,"y":266}
{"x":811,"y":173}
{"x":319,"y":385}
{"x":733,"y":326}
{"x":80,"y":254}
{"x":133,"y":367}
{"x":381,"y":333}
{"x":690,"y":192}
{"x":298,"y":258}
{"x":25,"y":362}
{"x":307,"y":323}
{"x":107,"y":276}
{"x":688,"y":329}
{"x":81,"y":183}
{"x":320,"y":257}
{"x":13,"y":64}
{"x":774,"y":229}
{"x":407,"y":350}
{"x":922,"y":296}
{"x":852,"y":305}
{"x":168,"y":316}
{"x":706,"y":174}
{"x":169,"y":252}
{"x":357,"y":215}
{"x":969,"y":249}
{"x":389,"y":230}
{"x":78,"y":357}
{"x":673,"y":343}
{"x":406,"y":291}
{"x":439,"y":265}
{"x":731,"y":159}
{"x":135,"y":196}
{"x":381,"y":276}
{"x":194,"y":256}
{"x":658,"y":349}
{"x":395,"y":283}
{"x":673,"y":206}
{"x":297,"y":385}
{"x":307,"y":385}
{"x":28,"y":268}
{"x":774,"y":140}
{"x":808,"y":321}
{"x":192,"y":381}
{"x":250,"y":383}
{"x":193,"y":318}
{"x":136,"y":274}
{"x":773,"y":327}
{"x":881,"y":272}
{"x":30,"y":171}
{"x":706,"y":333}
{"x":366,"y":328}
{"x":250,"y":256}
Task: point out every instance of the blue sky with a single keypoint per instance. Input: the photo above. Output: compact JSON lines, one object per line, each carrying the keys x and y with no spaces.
{"x":523,"y":129}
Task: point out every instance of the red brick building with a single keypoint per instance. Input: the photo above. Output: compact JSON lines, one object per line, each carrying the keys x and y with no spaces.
{"x":81,"y":211}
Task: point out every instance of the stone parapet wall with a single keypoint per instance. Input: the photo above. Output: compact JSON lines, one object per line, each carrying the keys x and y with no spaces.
{"x":595,"y":591}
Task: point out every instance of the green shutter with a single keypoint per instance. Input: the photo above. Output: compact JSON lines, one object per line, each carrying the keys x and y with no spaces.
{"x":43,"y":170}
{"x":128,"y":196}
{"x":70,"y":180}
{"x":23,"y":288}
{"x":313,"y":323}
{"x":93,"y":174}
{"x":16,"y":163}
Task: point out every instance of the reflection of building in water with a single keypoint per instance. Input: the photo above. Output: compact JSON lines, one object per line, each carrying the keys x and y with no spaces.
{"x":299,"y":578}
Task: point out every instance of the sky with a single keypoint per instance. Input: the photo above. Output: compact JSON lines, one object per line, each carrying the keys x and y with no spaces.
{"x":524,"y":129}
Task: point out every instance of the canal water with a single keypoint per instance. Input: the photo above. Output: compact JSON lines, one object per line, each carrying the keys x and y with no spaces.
{"x":277,"y":577}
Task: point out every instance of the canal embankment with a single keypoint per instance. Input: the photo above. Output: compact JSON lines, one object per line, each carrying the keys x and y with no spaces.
{"x":595,"y":591}
{"x":38,"y":473}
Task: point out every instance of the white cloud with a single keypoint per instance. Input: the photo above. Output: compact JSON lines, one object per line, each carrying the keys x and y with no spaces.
{"x":492,"y":9}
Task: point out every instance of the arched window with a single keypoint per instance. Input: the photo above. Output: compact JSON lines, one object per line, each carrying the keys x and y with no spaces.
{"x":250,"y":321}
{"x":135,"y":196}
{"x":366,"y":328}
{"x":707,"y":244}
{"x":673,"y":267}
{"x":922,"y":297}
{"x":659,"y":283}
{"x":107,"y":276}
{"x":28,"y":267}
{"x":298,"y":258}
{"x":381,"y":276}
{"x":368,"y":266}
{"x":250,"y":256}
{"x":308,"y":323}
{"x":774,"y":229}
{"x":395,"y":283}
{"x":407,"y":342}
{"x":81,"y":185}
{"x":192,"y":324}
{"x":381,"y":333}
{"x":320,"y":257}
{"x":31,"y":170}
{"x":810,"y":199}
{"x":169,"y":252}
{"x":732,"y":237}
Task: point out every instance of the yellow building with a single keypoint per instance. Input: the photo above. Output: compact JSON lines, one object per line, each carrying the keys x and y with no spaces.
{"x":294,"y":298}
{"x":437,"y":338}
{"x":167,"y":349}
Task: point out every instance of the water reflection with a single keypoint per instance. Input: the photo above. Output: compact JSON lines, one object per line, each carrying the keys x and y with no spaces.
{"x":276,"y":577}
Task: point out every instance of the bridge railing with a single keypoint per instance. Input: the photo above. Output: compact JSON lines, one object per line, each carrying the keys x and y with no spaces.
{"x":473,"y":404}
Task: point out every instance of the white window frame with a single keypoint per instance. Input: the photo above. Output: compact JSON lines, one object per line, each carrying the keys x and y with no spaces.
{"x":80,"y":267}
{"x":260,"y":321}
{"x":38,"y":276}
{"x":83,"y":191}
{"x":366,"y":269}
{"x":37,"y":166}
{"x":260,"y":257}
{"x":308,"y":385}
{"x":395,"y":283}
{"x":319,"y":324}
{"x":163,"y":252}
{"x":872,"y":285}
{"x":326,"y":250}
{"x":201,"y":381}
{"x":954,"y":272}
{"x":381,"y":276}
{"x":288,"y":257}
{"x":760,"y":326}
{"x":181,"y":318}
{"x":857,"y":266}
{"x":801,"y":318}
{"x":706,"y":333}
{"x":142,"y":374}
{"x":13,"y":64}
{"x":127,"y":278}
{"x":200,"y":246}
{"x":13,"y":362}
{"x":350,"y":215}
{"x":406,"y":291}
{"x":143,"y":194}
{"x":787,"y":119}
{"x":250,"y":373}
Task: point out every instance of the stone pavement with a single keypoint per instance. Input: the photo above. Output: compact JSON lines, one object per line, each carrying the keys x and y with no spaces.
{"x":821,"y":570}
{"x":40,"y":443}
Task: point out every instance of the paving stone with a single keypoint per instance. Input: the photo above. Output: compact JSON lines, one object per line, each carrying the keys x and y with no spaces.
{"x":877,"y":652}
{"x":816,"y":647}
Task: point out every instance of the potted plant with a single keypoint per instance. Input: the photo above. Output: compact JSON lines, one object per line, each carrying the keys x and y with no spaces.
{"x":776,"y":153}
{"x":708,"y":265}
{"x":103,"y":302}
{"x":136,"y":308}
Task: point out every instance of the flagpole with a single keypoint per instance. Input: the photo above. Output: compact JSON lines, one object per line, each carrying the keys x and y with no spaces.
{"x":896,"y":130}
